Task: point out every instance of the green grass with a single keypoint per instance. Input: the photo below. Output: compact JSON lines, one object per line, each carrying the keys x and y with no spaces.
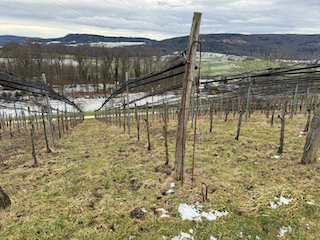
{"x":56,"y":200}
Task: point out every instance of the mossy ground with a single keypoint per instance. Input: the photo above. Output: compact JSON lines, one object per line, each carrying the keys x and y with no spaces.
{"x":97,"y":175}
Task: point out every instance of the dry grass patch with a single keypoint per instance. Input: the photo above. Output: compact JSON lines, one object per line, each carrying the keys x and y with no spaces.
{"x":101,"y":183}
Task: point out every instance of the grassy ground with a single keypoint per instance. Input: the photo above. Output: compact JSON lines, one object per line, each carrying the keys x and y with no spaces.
{"x":97,"y":175}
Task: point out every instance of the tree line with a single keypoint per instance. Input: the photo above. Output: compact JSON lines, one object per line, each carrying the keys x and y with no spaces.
{"x":83,"y":64}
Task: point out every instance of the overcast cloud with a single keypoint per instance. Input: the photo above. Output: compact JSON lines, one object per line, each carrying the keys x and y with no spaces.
{"x":156,"y":19}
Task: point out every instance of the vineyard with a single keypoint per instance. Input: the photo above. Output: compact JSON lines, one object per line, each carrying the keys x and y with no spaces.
{"x":172,"y":154}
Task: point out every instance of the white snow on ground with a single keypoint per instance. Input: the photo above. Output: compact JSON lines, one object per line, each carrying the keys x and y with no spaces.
{"x":300,"y":135}
{"x":194,"y":212}
{"x":183,"y":236}
{"x":276,"y":157}
{"x":312,"y":202}
{"x":213,"y":238}
{"x":171,"y":190}
{"x":283,"y":230}
{"x":280,"y":201}
{"x":144,"y":210}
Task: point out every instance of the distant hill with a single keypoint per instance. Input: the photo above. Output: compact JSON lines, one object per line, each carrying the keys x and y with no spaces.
{"x":8,"y":38}
{"x":290,"y":46}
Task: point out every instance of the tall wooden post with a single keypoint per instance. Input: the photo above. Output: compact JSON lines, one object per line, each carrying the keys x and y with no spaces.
{"x":128,"y":107}
{"x":185,"y":100}
{"x":49,"y":108}
{"x":35,"y":163}
{"x":248,"y":100}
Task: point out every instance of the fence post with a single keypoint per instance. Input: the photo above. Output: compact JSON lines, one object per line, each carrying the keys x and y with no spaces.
{"x":49,"y":108}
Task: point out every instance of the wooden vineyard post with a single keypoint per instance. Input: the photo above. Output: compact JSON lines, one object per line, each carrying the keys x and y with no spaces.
{"x":10,"y":125}
{"x":136,"y":115}
{"x":62,"y":121}
{"x":32,"y":138}
{"x":284,"y":110}
{"x":49,"y":109}
{"x":15,"y":109}
{"x":58,"y":118}
{"x":239,"y":122}
{"x":166,"y":134}
{"x":119,"y":116}
{"x":116,"y":117}
{"x":248,"y":99}
{"x":66,"y":114}
{"x":4,"y":199}
{"x":147,"y":122}
{"x":179,"y":164}
{"x":152,"y":105}
{"x":211,"y":115}
{"x":2,"y":123}
{"x":35,"y":116}
{"x":273,"y":109}
{"x":128,"y":107}
{"x":124,"y":116}
{"x":312,"y":141}
{"x":294,"y":100}
{"x":306,"y":128}
{"x":45,"y":131}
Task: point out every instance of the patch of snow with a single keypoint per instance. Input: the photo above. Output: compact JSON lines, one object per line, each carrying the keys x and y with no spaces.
{"x":257,"y":237}
{"x":183,"y":236}
{"x":143,"y":210}
{"x":256,"y":163}
{"x":162,"y":210}
{"x":283,"y":230}
{"x":300,"y":135}
{"x":170,"y":191}
{"x":164,"y":237}
{"x":213,"y":238}
{"x":312,"y":202}
{"x":276,"y":157}
{"x":191,"y":231}
{"x":192,"y":212}
{"x":301,"y":132}
{"x":164,"y":216}
{"x":280,"y":201}
{"x":308,"y":226}
{"x":241,"y":234}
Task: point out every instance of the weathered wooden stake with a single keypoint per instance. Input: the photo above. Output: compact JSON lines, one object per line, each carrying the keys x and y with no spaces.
{"x":185,"y":100}
{"x":35,"y":163}
{"x":284,"y":110}
{"x":166,"y":133}
{"x":136,"y":115}
{"x":147,"y":122}
{"x":45,"y":131}
{"x":4,"y":199}
{"x":239,"y":122}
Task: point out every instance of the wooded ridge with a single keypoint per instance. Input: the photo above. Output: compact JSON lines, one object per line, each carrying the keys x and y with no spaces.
{"x":287,"y":46}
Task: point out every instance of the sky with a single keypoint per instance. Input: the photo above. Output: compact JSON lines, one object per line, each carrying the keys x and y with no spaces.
{"x":156,"y":19}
